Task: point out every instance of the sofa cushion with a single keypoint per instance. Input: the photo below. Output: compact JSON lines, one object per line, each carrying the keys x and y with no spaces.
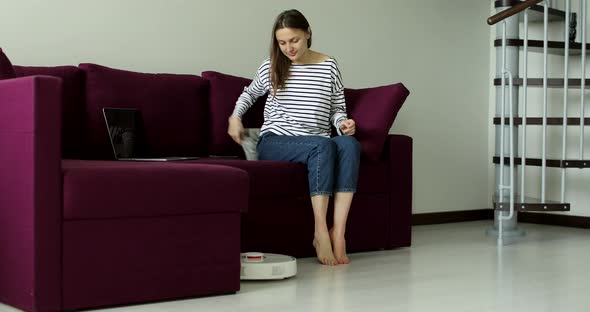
{"x":73,"y":107}
{"x":117,"y":189}
{"x":6,"y":69}
{"x":223,"y":94}
{"x":174,"y":109}
{"x":374,"y":110}
{"x":269,"y":179}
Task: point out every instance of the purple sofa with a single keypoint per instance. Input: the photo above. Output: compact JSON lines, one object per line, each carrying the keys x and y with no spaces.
{"x":79,"y":230}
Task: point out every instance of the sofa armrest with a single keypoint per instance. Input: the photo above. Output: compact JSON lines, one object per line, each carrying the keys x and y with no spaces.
{"x":30,"y":192}
{"x":398,"y":154}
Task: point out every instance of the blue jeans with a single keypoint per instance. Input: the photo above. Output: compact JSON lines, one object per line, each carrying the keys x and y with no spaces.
{"x":332,"y":163}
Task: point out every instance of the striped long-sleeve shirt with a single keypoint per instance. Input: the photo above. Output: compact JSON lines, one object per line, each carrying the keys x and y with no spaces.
{"x":310,"y":102}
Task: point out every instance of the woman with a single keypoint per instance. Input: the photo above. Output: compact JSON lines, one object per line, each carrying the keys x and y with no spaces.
{"x":306,"y":97}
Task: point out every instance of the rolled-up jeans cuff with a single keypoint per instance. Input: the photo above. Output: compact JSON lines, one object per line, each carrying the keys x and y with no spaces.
{"x":345,"y":190}
{"x":312,"y":194}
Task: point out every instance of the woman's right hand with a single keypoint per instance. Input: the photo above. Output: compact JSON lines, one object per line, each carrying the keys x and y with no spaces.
{"x":235,"y":129}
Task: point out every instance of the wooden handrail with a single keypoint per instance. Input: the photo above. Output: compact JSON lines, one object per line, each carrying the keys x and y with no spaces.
{"x":511,"y":11}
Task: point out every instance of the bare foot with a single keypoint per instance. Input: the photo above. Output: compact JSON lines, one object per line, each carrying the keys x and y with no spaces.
{"x":323,"y":249}
{"x":339,"y":245}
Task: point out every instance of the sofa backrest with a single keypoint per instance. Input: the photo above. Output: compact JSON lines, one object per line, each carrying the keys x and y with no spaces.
{"x":73,"y":127}
{"x":174,"y":109}
{"x":373,"y":109}
{"x":186,"y":115}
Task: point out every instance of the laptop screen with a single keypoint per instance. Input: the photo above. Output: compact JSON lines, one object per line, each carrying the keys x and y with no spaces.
{"x":126,"y":132}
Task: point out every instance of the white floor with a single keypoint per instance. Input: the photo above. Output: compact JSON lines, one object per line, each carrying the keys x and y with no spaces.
{"x":450,"y":267}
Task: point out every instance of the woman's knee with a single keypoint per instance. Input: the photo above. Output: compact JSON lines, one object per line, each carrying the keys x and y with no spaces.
{"x":327,"y":145}
{"x":347,"y":143}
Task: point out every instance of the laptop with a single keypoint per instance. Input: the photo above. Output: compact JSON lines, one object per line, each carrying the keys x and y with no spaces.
{"x":127,"y":135}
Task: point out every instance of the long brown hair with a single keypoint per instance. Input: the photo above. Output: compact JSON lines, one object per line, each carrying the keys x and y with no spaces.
{"x":279,"y":63}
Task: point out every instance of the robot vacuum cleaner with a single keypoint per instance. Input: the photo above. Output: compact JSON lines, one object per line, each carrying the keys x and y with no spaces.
{"x":267,"y":266}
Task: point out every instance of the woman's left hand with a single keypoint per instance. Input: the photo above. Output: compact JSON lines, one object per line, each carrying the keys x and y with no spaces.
{"x":348,"y":127}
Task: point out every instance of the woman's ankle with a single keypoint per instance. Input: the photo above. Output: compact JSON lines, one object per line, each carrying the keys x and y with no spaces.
{"x":337,"y":232}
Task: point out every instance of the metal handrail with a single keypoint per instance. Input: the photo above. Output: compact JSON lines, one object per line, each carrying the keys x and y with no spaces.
{"x":583,"y":82}
{"x":565,"y":95}
{"x":524,"y":104}
{"x":544,"y":139}
{"x":501,"y":186}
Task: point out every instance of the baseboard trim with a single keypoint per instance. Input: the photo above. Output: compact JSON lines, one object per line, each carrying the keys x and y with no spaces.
{"x":554,"y":219}
{"x":488,"y":214}
{"x":452,"y":216}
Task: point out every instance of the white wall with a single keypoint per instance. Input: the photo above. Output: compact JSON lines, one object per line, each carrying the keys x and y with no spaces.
{"x":577,"y":181}
{"x":438,"y":49}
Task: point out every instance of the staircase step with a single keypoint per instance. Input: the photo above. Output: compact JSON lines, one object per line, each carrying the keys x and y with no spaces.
{"x":535,"y":12}
{"x":554,"y":47}
{"x":551,"y":121}
{"x":529,"y":204}
{"x":552,"y":163}
{"x":551,"y":82}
